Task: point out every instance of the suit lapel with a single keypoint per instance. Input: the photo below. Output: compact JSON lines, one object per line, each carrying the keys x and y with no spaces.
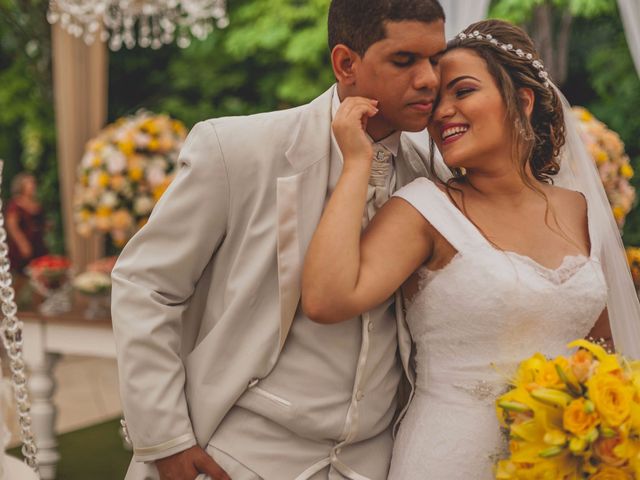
{"x":300,"y":200}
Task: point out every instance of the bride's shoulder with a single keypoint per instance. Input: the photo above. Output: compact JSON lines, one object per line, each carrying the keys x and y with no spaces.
{"x":567,"y":204}
{"x":566,"y":199}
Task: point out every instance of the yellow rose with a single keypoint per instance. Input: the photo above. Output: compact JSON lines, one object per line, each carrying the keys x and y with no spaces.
{"x":601,"y":157}
{"x":577,"y":419}
{"x":547,"y":376}
{"x":127,"y":147}
{"x":150,"y":126}
{"x":618,"y":213}
{"x":104,"y":179}
{"x":611,"y":397}
{"x":585,"y":116}
{"x":610,"y":473}
{"x":136,"y":174}
{"x":605,"y":450}
{"x":626,"y":171}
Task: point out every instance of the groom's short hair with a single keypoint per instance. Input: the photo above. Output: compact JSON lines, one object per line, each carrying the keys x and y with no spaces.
{"x":358,"y":24}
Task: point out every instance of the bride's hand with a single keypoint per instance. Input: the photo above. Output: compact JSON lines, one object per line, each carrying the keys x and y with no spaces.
{"x":349,"y":127}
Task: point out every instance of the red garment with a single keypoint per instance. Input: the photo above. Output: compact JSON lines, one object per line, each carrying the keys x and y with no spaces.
{"x":32,"y":225}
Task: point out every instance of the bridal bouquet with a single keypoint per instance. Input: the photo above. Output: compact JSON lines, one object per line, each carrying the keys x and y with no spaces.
{"x":573,"y":418}
{"x":613,"y":164}
{"x":123,"y":173}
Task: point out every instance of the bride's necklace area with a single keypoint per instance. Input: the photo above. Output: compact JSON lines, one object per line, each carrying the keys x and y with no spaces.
{"x":11,"y":333}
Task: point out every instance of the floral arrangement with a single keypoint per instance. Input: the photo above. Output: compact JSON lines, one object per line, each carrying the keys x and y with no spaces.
{"x":607,"y":151}
{"x":123,"y":173}
{"x":92,"y":283}
{"x":633,"y":258}
{"x":96,"y":280}
{"x":573,"y":418}
{"x":49,"y":272}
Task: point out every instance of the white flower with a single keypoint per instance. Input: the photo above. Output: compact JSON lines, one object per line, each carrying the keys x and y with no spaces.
{"x":143,"y":205}
{"x":142,"y":140}
{"x":116,"y":162}
{"x":94,"y":178}
{"x":92,"y":282}
{"x":109,"y":199}
{"x":155,"y":176}
{"x":87,"y":160}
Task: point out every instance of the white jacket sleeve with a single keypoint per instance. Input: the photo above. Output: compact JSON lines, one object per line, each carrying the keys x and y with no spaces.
{"x":153,"y":281}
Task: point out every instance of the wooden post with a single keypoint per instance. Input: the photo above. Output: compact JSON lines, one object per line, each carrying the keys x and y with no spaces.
{"x":80,"y":75}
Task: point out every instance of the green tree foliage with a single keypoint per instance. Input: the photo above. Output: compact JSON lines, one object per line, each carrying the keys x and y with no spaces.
{"x":27,"y":127}
{"x":273,"y":55}
{"x":521,"y":11}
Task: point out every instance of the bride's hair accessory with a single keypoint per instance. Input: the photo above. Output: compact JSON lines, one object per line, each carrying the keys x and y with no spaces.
{"x":507,"y":47}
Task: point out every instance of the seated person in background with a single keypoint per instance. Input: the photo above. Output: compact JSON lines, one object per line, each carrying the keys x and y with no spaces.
{"x":25,"y":222}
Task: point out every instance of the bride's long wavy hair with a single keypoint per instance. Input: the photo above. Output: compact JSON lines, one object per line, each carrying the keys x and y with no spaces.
{"x":536,"y":140}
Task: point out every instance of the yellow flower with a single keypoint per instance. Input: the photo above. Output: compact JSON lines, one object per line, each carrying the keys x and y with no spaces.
{"x":96,"y":161}
{"x":610,"y":473}
{"x":154,"y":145}
{"x":618,"y":213}
{"x":626,"y":171}
{"x":585,"y":116}
{"x":127,"y":147}
{"x":150,"y":126}
{"x":581,"y":363}
{"x":104,"y":179}
{"x":136,"y":173}
{"x":85,"y":215}
{"x":548,"y":377}
{"x":528,"y":370}
{"x":117,"y":182}
{"x":160,"y":189}
{"x":611,"y":397}
{"x":601,"y":157}
{"x":577,"y":418}
{"x":122,"y":220}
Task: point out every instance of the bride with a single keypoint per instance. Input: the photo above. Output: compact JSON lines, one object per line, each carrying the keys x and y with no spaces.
{"x":497,"y":262}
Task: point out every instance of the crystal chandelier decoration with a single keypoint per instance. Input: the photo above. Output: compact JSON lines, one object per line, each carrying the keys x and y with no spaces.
{"x":147,"y":23}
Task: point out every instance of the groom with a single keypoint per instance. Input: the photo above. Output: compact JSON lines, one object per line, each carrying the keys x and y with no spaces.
{"x":221,"y":373}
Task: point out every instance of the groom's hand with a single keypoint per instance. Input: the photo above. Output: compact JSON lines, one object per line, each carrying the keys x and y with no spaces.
{"x":188,"y":464}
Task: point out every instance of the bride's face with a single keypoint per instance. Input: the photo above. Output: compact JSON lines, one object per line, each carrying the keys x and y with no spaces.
{"x":469,"y":123}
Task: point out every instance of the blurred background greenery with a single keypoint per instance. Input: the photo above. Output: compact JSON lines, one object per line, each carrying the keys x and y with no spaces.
{"x":274,"y":55}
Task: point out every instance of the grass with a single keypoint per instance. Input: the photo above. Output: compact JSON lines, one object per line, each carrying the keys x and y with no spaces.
{"x":94,"y":453}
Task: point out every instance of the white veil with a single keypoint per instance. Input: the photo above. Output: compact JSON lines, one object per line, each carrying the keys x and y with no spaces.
{"x":578,"y":172}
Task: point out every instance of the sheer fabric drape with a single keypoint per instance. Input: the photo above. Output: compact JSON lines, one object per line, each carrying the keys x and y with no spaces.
{"x":461,"y":13}
{"x":630,"y":13}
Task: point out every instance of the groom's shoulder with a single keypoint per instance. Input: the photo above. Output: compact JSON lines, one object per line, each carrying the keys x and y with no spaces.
{"x":257,"y":128}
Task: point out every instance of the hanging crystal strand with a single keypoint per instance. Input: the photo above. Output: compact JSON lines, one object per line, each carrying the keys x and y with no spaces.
{"x":11,"y":332}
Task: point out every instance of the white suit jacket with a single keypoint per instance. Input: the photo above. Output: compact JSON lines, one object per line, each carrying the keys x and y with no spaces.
{"x":204,"y":295}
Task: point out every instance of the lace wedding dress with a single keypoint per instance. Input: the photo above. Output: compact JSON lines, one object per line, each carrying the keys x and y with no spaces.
{"x":472,"y":321}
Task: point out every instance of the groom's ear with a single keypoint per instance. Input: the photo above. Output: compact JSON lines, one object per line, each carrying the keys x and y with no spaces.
{"x":343,"y":60}
{"x":527,"y":99}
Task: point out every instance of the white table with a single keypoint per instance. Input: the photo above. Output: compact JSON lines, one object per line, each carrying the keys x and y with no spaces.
{"x":45,"y":339}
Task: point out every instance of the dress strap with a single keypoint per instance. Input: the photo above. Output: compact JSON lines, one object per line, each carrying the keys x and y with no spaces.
{"x":438,"y":209}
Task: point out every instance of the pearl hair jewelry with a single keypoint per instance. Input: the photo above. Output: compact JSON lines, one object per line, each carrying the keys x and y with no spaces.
{"x":537,"y":64}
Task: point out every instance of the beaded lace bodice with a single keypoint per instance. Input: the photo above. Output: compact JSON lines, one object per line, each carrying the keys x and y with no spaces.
{"x":472,"y":321}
